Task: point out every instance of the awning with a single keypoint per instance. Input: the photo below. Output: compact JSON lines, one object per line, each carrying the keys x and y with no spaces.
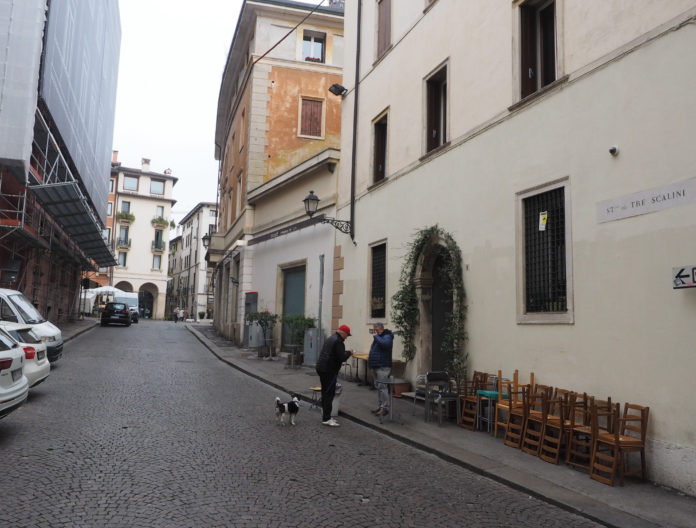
{"x":65,"y":202}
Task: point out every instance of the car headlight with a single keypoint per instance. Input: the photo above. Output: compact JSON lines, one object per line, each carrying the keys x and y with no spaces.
{"x":48,"y":339}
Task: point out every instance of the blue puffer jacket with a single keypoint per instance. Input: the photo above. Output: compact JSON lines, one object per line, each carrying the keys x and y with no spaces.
{"x":381,"y":350}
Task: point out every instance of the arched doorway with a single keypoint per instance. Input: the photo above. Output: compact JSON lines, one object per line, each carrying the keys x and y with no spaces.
{"x":124,"y":286}
{"x":147,"y":296}
{"x":441,"y":310}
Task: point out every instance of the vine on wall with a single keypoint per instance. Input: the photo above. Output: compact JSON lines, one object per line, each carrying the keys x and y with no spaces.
{"x":405,"y":310}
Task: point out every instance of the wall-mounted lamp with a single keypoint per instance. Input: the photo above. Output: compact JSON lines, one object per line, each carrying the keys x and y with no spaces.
{"x":206,"y":241}
{"x":337,"y":89}
{"x":311,"y":203}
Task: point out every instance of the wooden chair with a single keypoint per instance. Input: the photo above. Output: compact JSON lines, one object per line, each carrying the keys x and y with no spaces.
{"x":579,"y":433}
{"x":502,"y":406}
{"x":468,"y":402}
{"x":517,"y":417}
{"x":610,"y":448}
{"x":537,"y":412}
{"x":555,"y":426}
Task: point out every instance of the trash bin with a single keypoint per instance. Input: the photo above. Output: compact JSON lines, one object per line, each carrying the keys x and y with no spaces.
{"x":336,"y":404}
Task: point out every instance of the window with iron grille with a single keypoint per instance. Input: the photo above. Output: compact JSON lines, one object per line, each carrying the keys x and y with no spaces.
{"x":545,"y":252}
{"x":379,"y":281}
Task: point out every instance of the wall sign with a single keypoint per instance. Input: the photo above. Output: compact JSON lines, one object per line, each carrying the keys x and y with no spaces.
{"x":684,"y":277}
{"x":649,"y":201}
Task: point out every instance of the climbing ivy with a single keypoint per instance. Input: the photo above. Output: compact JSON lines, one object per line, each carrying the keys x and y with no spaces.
{"x":405,"y":311}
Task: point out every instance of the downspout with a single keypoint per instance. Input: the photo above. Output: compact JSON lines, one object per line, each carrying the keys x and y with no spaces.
{"x":355,"y":126}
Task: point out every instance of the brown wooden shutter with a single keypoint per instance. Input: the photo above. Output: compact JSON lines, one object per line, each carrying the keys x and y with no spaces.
{"x":528,"y":73}
{"x":383,"y":26}
{"x":311,"y":118}
{"x":380,"y":149}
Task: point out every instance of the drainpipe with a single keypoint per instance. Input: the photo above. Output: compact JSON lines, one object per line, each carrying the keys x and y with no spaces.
{"x":355,"y":125}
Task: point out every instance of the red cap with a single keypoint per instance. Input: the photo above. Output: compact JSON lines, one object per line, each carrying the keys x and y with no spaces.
{"x":345,"y":328}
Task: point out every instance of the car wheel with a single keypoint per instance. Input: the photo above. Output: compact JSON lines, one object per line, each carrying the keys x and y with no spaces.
{"x":128,"y":324}
{"x":103,"y":323}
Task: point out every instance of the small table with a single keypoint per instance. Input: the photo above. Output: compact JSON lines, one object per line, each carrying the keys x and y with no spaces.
{"x":392,"y":416}
{"x":361,"y":357}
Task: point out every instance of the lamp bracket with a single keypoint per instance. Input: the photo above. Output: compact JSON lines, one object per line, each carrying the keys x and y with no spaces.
{"x":342,"y":225}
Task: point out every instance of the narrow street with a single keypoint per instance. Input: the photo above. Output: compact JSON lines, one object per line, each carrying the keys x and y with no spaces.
{"x":142,"y":426}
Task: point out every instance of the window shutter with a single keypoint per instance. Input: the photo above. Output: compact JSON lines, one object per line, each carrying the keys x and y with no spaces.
{"x":528,"y":73}
{"x":311,"y":118}
{"x":383,"y":26}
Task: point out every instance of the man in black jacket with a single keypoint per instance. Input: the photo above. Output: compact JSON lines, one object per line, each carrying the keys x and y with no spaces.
{"x":333,"y":354}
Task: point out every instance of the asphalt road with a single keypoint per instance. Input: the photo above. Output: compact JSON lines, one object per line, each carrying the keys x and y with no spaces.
{"x":143,"y":427}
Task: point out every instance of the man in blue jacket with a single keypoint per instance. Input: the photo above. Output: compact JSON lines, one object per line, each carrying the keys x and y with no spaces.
{"x":380,"y":361}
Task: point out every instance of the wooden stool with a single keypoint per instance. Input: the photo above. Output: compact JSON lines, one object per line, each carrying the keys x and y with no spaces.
{"x":316,"y":397}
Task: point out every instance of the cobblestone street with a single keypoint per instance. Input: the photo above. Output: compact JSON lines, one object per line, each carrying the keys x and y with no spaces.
{"x":142,"y":426}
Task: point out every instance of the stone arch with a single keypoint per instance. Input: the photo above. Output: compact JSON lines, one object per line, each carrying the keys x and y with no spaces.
{"x":148,"y":299}
{"x":124,"y":286}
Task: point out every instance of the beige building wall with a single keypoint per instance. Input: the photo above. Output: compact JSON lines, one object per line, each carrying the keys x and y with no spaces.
{"x":630,"y":331}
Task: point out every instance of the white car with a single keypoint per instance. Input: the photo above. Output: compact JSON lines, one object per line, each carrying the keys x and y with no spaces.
{"x":14,"y":386}
{"x":36,"y":364}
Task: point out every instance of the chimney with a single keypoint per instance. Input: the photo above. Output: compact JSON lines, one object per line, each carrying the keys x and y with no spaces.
{"x":145,"y":164}
{"x":114,"y":156}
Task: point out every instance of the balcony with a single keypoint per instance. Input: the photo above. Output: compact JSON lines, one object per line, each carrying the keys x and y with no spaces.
{"x":158,"y":246}
{"x":123,"y":243}
{"x":125,"y":218}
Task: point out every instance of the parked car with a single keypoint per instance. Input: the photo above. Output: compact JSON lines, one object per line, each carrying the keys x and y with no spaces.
{"x":116,"y":312}
{"x":36,"y":364}
{"x":16,"y":308}
{"x":14,"y":386}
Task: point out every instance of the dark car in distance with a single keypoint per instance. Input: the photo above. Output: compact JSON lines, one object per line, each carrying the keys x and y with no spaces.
{"x":116,"y":312}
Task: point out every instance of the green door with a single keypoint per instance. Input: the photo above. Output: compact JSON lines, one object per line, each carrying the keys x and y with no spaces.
{"x":293,"y":297}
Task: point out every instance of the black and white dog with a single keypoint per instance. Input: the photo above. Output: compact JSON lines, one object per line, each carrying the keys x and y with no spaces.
{"x":290,"y":408}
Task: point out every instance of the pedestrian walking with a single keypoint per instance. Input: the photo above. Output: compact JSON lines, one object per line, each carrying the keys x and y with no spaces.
{"x":380,"y":361}
{"x":332,"y":356}
{"x":176,"y":314}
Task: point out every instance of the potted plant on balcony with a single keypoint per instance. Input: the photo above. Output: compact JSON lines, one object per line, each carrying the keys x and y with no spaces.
{"x":159,"y":221}
{"x":296,"y":326}
{"x":124,"y":216}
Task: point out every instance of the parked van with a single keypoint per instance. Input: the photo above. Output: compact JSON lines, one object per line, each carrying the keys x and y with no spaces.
{"x":16,"y":308}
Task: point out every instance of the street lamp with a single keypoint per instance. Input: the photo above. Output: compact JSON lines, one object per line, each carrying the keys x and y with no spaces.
{"x":311,"y":203}
{"x":206,"y":240}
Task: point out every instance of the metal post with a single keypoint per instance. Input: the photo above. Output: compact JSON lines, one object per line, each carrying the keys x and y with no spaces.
{"x":321,"y":294}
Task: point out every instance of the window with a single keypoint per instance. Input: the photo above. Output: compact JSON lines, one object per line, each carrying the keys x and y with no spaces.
{"x":380,"y":158}
{"x":243,"y":131}
{"x":111,"y":185}
{"x":545,"y":274}
{"x":156,"y":187}
{"x":123,"y":236}
{"x":313,"y":45}
{"x":436,"y":110}
{"x":130,"y":183}
{"x":159,"y":212}
{"x":238,"y":209}
{"x":537,"y":45}
{"x":106,"y":234}
{"x":125,"y":207}
{"x":156,"y":261}
{"x":383,"y":26}
{"x":378,"y":281}
{"x":310,"y":119}
{"x":122,"y":258}
{"x":159,"y":242}
{"x":109,"y":208}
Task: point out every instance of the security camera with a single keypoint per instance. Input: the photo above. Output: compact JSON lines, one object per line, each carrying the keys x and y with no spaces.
{"x":614,"y":151}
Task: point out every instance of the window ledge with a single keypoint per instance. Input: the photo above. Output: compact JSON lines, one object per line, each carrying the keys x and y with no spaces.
{"x":531,"y":97}
{"x":430,"y":153}
{"x":304,"y":136}
{"x":377,"y":184}
{"x":546,"y":318}
{"x":384,"y":54}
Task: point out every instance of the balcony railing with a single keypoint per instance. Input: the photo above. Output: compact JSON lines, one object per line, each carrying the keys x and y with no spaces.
{"x":123,"y":243}
{"x":158,"y":245}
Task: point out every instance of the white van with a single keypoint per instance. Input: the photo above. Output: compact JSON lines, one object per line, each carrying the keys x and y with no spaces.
{"x":16,"y":308}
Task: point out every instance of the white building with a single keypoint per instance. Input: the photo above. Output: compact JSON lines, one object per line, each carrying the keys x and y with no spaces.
{"x":554,"y":141}
{"x":141,"y":232}
{"x":191,"y":281}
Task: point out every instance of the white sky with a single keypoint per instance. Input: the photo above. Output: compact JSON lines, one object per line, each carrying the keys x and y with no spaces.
{"x":172,"y":57}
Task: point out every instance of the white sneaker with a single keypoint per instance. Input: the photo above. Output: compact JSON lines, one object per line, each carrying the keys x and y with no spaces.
{"x":331,"y":423}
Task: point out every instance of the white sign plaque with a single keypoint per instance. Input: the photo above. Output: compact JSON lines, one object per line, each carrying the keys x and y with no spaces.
{"x":684,"y":277}
{"x":649,"y":201}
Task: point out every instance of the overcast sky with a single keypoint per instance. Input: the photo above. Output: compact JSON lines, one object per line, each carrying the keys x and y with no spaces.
{"x":172,"y":56}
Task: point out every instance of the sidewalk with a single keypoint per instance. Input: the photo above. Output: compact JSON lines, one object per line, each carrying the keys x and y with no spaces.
{"x":635,"y":505}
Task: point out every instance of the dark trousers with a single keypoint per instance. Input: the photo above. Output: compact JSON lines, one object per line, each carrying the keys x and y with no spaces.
{"x":328,"y":391}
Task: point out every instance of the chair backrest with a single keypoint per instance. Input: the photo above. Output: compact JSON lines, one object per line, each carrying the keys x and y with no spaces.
{"x":578,"y":409}
{"x":606,"y":421}
{"x":634,"y":421}
{"x":538,"y":397}
{"x":601,"y":415}
{"x":437,"y":380}
{"x":559,"y":404}
{"x":521,"y":395}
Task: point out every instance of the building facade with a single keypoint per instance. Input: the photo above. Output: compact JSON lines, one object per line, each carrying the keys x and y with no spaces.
{"x":532,"y":133}
{"x":191,"y":281}
{"x":59,"y":69}
{"x":277,"y":138}
{"x":141,"y":220}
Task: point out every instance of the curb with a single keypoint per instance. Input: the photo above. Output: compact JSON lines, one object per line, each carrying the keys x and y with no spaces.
{"x":80,"y":332}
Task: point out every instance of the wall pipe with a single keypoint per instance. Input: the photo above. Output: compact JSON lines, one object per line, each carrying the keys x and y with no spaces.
{"x":355,"y":125}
